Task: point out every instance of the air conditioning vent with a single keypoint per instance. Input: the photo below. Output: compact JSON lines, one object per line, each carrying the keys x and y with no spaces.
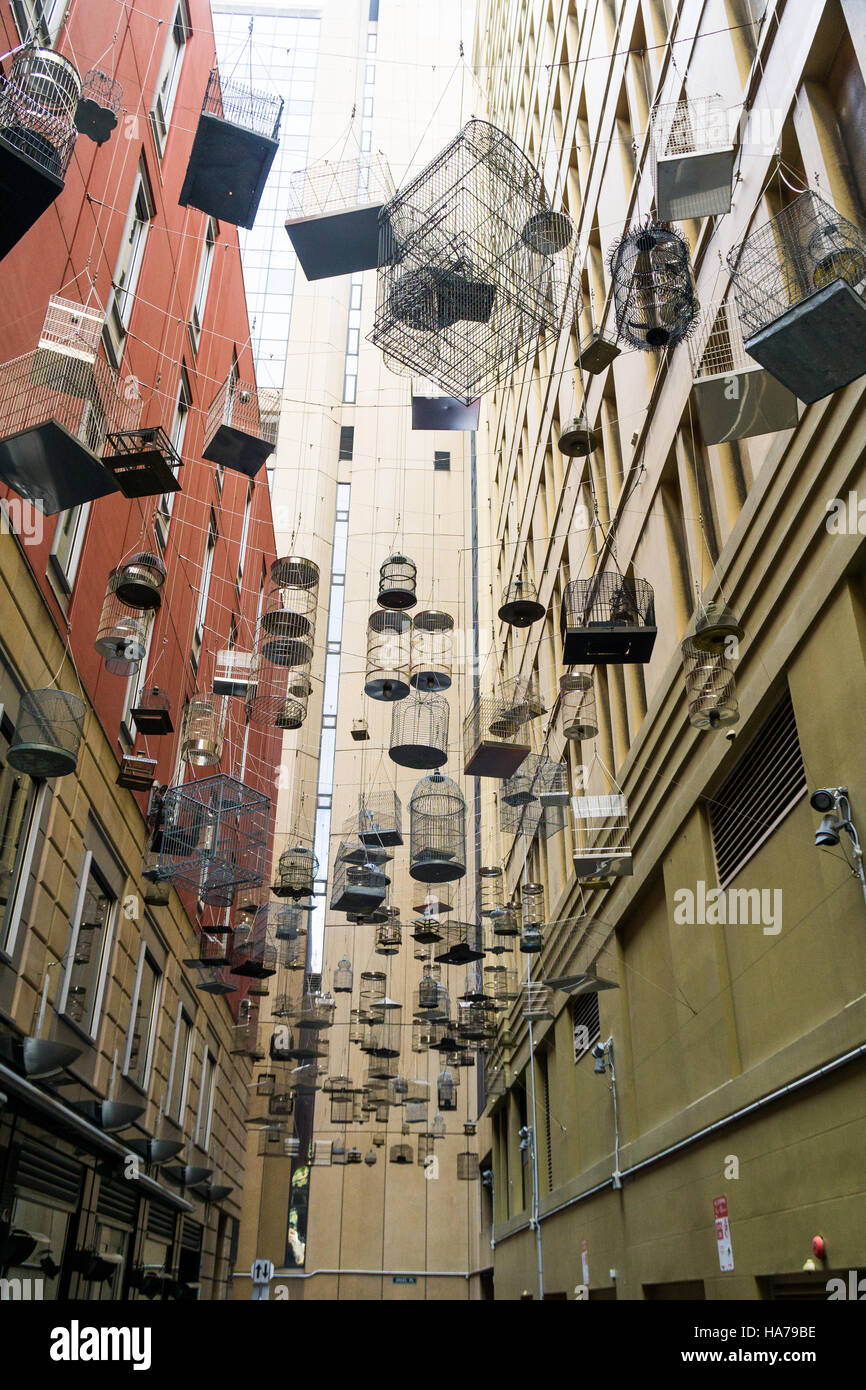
{"x":49,"y":1173}
{"x":766,"y":784}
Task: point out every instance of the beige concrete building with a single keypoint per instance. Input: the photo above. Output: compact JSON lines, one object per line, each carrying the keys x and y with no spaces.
{"x":737,"y":1041}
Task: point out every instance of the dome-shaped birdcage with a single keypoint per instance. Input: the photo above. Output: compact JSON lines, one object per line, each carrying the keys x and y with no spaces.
{"x":714,"y":628}
{"x":653,"y":287}
{"x":437,"y":816}
{"x":419,"y":731}
{"x":397,"y":582}
{"x":446,"y":1091}
{"x":296,"y":872}
{"x":389,"y":935}
{"x":400,"y":1153}
{"x":138,"y":580}
{"x":577,"y":439}
{"x":201,"y":742}
{"x":431,"y":997}
{"x":122,"y":634}
{"x":609,"y":618}
{"x":577,"y":705}
{"x":98,"y":106}
{"x":48,"y":733}
{"x":431,"y":650}
{"x":288,"y":624}
{"x":387,"y":676}
{"x":520,"y":606}
{"x":344,"y":977}
{"x":710,"y":689}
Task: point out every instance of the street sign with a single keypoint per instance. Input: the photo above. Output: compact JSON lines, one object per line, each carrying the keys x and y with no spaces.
{"x":262,"y":1271}
{"x":723,"y":1233}
{"x":404,"y":1279}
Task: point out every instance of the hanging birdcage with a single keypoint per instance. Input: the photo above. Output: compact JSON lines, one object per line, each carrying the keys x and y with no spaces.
{"x":607,"y":619}
{"x":275,"y":1143}
{"x":714,"y":628}
{"x":419,"y":731}
{"x":343,"y":976}
{"x":734,"y":397}
{"x":142,"y":461}
{"x":446,"y":1091}
{"x":293,"y":954}
{"x":122,"y":634}
{"x":254,"y":956}
{"x":427,"y":929}
{"x":316,"y":1010}
{"x":389,"y":936}
{"x":232,"y":672}
{"x":387,"y":676}
{"x":400,"y":1153}
{"x":653,"y":287}
{"x":359,"y":885}
{"x":209,"y":950}
{"x":48,"y":733}
{"x":360,"y":730}
{"x":277,"y":696}
{"x":431,"y":997}
{"x":710,"y":690}
{"x":39,"y":95}
{"x":691,"y":158}
{"x":397,"y":576}
{"x":460,"y":944}
{"x":577,"y":440}
{"x":218,"y":831}
{"x":157,"y":888}
{"x":799,"y":285}
{"x":241,"y":427}
{"x":537,"y":1002}
{"x":245,"y":1034}
{"x":475,"y":1022}
{"x":333,"y":214}
{"x":382,"y":1039}
{"x":577,"y":705}
{"x":467,"y":1167}
{"x":288,"y":921}
{"x":372,"y":990}
{"x":531,"y":939}
{"x":296,"y":872}
{"x":500,"y":983}
{"x":288,"y":624}
{"x":431,"y":650}
{"x":492,"y":889}
{"x":152,"y":714}
{"x":437,"y":816}
{"x":98,"y":106}
{"x":415,"y":1112}
{"x":433,"y":411}
{"x":472,"y":275}
{"x":137,"y":772}
{"x":380,"y":818}
{"x":201,"y":740}
{"x":234,"y":147}
{"x":493,"y":743}
{"x":602,"y":837}
{"x":596,"y":353}
{"x":138,"y":581}
{"x":520,"y":606}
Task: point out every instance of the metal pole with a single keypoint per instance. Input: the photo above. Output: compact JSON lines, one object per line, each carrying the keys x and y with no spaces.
{"x":534,"y":1150}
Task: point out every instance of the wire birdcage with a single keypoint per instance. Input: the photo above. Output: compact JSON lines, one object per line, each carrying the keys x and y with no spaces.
{"x":241,"y":426}
{"x":48,"y":733}
{"x":500,"y":983}
{"x":494,"y":744}
{"x":232,"y":670}
{"x":400,"y":1153}
{"x":467,"y":1167}
{"x":122,"y":634}
{"x":607,"y":618}
{"x":277,"y":696}
{"x":138,"y":580}
{"x":431,"y":650}
{"x":710,"y":689}
{"x":397,"y":577}
{"x":799,"y":283}
{"x":234,"y":147}
{"x":245,"y":1033}
{"x":359,"y":882}
{"x":419,"y":731}
{"x":437,"y":817}
{"x":39,"y":94}
{"x":152,"y":714}
{"x":217,"y":831}
{"x":389,"y":936}
{"x":653,"y":287}
{"x":201,"y":740}
{"x":380,"y":818}
{"x":734,"y":397}
{"x":344,"y":977}
{"x":577,"y":706}
{"x":297,"y":867}
{"x":288,"y":624}
{"x":691,"y":158}
{"x":333,"y":214}
{"x":520,"y":606}
{"x":98,"y":106}
{"x":387,"y":676}
{"x":471,"y":275}
{"x":446,"y":1091}
{"x":492,"y":889}
{"x":460,"y":944}
{"x":537,"y":1002}
{"x":602,"y":837}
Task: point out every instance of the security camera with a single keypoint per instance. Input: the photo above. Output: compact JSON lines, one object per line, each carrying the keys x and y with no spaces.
{"x":828,"y":831}
{"x":598,"y":1050}
{"x":823,"y":800}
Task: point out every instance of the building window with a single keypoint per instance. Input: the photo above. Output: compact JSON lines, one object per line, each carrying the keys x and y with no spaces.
{"x":169,"y":75}
{"x":129,"y":261}
{"x":41,"y":20}
{"x":181,"y":1056}
{"x":245,"y":531}
{"x":204,"y":1118}
{"x":68,"y":544}
{"x":202,"y":282}
{"x":177,"y":435}
{"x":204,"y":590}
{"x":585,"y":1024}
{"x":20,"y":801}
{"x":90,"y":936}
{"x":347,"y":441}
{"x":441,"y":461}
{"x":142,"y":1020}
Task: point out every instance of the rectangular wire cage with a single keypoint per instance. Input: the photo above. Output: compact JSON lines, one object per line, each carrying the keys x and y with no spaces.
{"x":607,"y":618}
{"x":734,"y":397}
{"x":602,"y":837}
{"x":241,"y":426}
{"x":333,"y":214}
{"x":217,"y":829}
{"x":234,"y":147}
{"x":380,"y":818}
{"x":799,"y":283}
{"x":471,"y":279}
{"x":494,"y":742}
{"x":691,"y":158}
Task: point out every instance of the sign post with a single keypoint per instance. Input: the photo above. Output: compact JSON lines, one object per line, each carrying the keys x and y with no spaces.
{"x":261,"y":1274}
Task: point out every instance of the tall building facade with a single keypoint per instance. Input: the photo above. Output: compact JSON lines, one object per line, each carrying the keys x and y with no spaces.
{"x":352,"y":485}
{"x":724,"y":1064}
{"x":113,"y":968}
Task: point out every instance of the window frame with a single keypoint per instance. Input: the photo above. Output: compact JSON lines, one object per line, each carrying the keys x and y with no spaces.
{"x":204,"y":591}
{"x":170,"y":68}
{"x":10,"y":919}
{"x":181,"y":1015}
{"x":206,"y":1098}
{"x":145,"y":958}
{"x":89,"y":1028}
{"x":202,"y":284}
{"x":66,"y":573}
{"x":177,"y":435}
{"x":118,"y":316}
{"x":31,"y":21}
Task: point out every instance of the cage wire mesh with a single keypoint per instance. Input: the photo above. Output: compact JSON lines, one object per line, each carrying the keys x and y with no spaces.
{"x":653,"y":287}
{"x":201,"y":740}
{"x":711,"y":692}
{"x":277,"y":696}
{"x":380,"y":815}
{"x":607,"y":618}
{"x":39,"y":96}
{"x":577,"y":705}
{"x":437,"y":819}
{"x":287,"y":627}
{"x":387,"y":673}
{"x":98,"y":106}
{"x":471,"y":273}
{"x":691,"y":158}
{"x":431,"y":650}
{"x":217,"y":831}
{"x":602,"y":836}
{"x":241,"y":425}
{"x":419,"y":731}
{"x":48,"y":733}
{"x":327,"y":188}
